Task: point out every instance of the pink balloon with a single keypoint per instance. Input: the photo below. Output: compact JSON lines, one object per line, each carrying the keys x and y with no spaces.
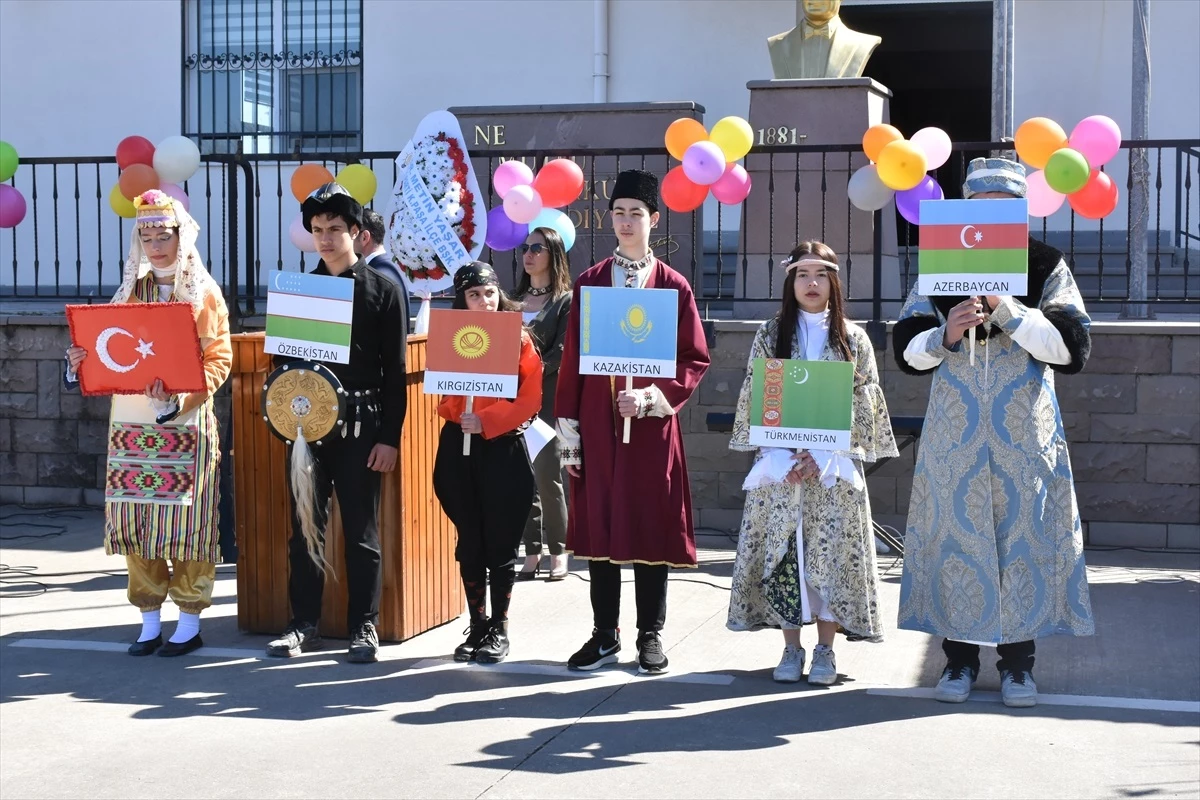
{"x":704,"y":163}
{"x":1098,"y":138}
{"x":12,"y":206}
{"x":935,"y":143}
{"x":1043,"y":201}
{"x":176,"y":191}
{"x":522,"y":204}
{"x":299,"y":237}
{"x":732,"y":187}
{"x":510,"y":174}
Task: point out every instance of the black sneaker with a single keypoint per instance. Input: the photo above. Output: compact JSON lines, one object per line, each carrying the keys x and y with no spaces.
{"x":475,"y":635}
{"x":601,"y":649}
{"x":651,"y":658}
{"x":364,"y":645}
{"x":495,"y":644}
{"x":299,"y":637}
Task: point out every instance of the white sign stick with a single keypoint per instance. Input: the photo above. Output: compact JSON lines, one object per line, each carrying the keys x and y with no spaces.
{"x":467,"y":436}
{"x":628,"y":388}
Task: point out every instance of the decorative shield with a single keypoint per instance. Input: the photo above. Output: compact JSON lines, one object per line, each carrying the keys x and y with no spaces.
{"x":304,"y":396}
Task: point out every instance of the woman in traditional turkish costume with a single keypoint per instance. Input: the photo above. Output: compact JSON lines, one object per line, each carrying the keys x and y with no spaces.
{"x":164,"y":266}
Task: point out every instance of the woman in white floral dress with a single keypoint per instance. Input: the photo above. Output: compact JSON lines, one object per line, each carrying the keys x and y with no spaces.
{"x":806,"y":550}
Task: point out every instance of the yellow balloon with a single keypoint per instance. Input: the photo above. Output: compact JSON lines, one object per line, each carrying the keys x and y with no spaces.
{"x":359,"y":181}
{"x":120,"y":203}
{"x":734,"y":136}
{"x":901,"y":165}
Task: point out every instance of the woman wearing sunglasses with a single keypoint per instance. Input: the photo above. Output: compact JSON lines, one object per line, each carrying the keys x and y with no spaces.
{"x":544,"y":292}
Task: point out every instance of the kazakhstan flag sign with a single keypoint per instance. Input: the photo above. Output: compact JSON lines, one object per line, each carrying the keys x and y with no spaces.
{"x":628,"y":331}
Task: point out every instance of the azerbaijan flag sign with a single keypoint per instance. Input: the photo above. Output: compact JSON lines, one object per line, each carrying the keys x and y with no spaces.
{"x":974,"y":247}
{"x":807,"y":405}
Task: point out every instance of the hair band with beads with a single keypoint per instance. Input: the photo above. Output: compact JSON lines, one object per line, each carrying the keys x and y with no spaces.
{"x":788,"y":264}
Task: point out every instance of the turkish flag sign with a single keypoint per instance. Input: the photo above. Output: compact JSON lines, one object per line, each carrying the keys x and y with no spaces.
{"x":130,"y":345}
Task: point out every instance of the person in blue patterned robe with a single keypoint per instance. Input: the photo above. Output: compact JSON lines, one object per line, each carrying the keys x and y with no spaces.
{"x":994,"y":545}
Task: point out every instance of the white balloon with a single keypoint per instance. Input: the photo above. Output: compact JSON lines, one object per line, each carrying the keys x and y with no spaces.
{"x":300,"y":238}
{"x":867,"y":191}
{"x":935,"y":143}
{"x":176,"y":159}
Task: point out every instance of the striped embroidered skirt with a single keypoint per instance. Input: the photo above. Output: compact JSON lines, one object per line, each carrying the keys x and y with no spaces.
{"x":182,"y":532}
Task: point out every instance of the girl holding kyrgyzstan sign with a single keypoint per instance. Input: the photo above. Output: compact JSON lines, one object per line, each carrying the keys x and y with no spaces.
{"x":487,"y":491}
{"x":806,"y":550}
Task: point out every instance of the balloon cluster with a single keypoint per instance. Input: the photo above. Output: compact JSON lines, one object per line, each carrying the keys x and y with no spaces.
{"x":707,"y":161}
{"x":357,"y":179}
{"x":898,"y":170}
{"x":144,"y":167}
{"x":12,"y":202}
{"x":1068,"y":167}
{"x":533,"y":201}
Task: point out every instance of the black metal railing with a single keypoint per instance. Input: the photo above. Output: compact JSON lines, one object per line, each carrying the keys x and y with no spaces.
{"x":72,"y":245}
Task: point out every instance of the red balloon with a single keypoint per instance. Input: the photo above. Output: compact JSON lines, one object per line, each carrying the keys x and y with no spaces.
{"x":137,"y":179}
{"x":559,"y":183}
{"x":1097,"y":198}
{"x":135,"y":150}
{"x":680,"y":193}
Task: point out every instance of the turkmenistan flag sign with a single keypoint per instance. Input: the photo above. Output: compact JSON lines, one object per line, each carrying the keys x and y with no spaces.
{"x":308,"y":316}
{"x":974,"y":247}
{"x":807,"y":405}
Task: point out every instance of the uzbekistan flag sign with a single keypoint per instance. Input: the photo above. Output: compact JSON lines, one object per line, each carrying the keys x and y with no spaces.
{"x":473,"y":353}
{"x":308,"y":316}
{"x":974,"y":247}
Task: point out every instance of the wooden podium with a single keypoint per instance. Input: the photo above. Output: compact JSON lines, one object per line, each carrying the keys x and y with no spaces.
{"x":421,"y":586}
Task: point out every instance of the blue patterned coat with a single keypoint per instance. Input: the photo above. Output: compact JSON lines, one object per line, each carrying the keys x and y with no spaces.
{"x":994,"y":546}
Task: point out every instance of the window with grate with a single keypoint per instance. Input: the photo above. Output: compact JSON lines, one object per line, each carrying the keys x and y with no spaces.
{"x":273,"y":76}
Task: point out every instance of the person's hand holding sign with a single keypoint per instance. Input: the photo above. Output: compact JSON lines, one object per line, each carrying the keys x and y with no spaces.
{"x":806,"y":467}
{"x":627,"y":404}
{"x":471,"y":423}
{"x":963,"y":317}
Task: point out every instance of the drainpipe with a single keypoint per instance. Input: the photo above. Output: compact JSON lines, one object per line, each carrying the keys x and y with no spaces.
{"x":600,"y":55}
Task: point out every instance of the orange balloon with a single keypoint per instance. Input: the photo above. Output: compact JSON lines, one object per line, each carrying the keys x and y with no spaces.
{"x":136,"y":179}
{"x":1037,"y":139}
{"x":680,"y":194}
{"x":682,"y":134}
{"x":307,"y":179}
{"x":878,"y":137}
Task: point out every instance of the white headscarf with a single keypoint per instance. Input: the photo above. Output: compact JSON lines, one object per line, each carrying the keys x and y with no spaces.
{"x":156,"y":209}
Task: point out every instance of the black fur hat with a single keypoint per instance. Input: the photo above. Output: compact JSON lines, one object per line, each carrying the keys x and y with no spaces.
{"x":636,"y":184}
{"x":332,"y":198}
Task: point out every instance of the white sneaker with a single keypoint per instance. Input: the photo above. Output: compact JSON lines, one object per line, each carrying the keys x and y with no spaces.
{"x":823,"y":671}
{"x":955,"y":684}
{"x":1017,"y":689}
{"x":791,"y":666}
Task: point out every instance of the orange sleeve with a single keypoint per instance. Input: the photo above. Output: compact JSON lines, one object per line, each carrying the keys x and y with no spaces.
{"x":451,"y":408}
{"x":505,"y":415}
{"x":212,"y":323}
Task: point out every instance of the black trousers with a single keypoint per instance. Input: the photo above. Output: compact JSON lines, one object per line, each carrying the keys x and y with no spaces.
{"x":486,"y":495}
{"x":1015,"y":656}
{"x":341,"y":465}
{"x":650,"y":593}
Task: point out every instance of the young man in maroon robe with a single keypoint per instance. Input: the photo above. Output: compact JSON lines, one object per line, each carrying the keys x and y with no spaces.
{"x":630,"y":503}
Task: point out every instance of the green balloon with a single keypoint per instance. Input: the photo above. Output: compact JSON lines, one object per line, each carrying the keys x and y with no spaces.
{"x":8,"y":161}
{"x":1067,"y":171}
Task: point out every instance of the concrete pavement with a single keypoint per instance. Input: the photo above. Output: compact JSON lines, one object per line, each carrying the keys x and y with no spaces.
{"x":1120,"y":715}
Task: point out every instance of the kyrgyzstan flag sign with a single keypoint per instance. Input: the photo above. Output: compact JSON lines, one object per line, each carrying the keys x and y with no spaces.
{"x":130,"y":345}
{"x":974,"y":247}
{"x":473,"y":353}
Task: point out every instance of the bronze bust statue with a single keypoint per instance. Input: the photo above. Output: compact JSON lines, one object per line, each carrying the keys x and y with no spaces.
{"x":820,"y":46}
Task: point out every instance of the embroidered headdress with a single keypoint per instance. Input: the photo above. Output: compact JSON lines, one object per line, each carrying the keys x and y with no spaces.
{"x":994,"y":175}
{"x":157,"y":209}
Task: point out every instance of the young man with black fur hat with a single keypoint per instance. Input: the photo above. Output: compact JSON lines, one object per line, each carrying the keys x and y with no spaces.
{"x":630,"y":503}
{"x":994,"y":549}
{"x":352,"y":463}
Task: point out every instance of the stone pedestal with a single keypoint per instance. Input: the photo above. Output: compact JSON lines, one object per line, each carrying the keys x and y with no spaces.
{"x":534,"y":134}
{"x":814,"y":113}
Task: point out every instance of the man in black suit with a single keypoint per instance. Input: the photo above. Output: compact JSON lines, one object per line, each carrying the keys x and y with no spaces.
{"x":369,"y":244}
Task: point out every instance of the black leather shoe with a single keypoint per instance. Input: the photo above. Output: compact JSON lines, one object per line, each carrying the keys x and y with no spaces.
{"x":475,"y":636}
{"x":181,"y":648}
{"x":364,"y":645}
{"x":495,"y":644}
{"x":147,"y":647}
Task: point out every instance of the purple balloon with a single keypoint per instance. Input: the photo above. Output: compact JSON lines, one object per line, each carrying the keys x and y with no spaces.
{"x":704,"y":163}
{"x":12,"y":206}
{"x":908,"y":202}
{"x":502,"y":232}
